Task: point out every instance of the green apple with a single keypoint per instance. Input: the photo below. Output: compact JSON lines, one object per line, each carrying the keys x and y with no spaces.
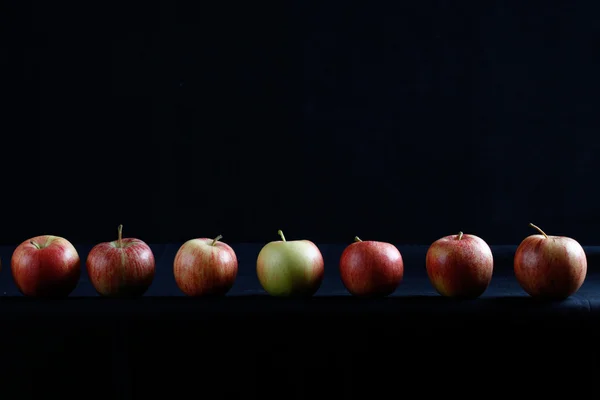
{"x":293,"y":268}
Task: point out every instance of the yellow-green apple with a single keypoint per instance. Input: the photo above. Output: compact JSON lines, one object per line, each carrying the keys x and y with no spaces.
{"x":124,"y":267}
{"x":205,"y":267}
{"x":552,"y":267}
{"x":46,"y":266}
{"x":460,"y":265}
{"x":290,"y":268}
{"x":371,"y":268}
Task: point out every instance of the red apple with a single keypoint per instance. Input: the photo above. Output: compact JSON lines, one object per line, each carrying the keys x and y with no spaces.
{"x":46,"y":266}
{"x":460,"y":265}
{"x":205,"y":267}
{"x":551,"y":267}
{"x":292,"y":268}
{"x":122,"y":268}
{"x":370,"y":268}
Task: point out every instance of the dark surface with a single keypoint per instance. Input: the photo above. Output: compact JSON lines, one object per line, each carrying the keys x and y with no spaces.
{"x":402,"y":120}
{"x":250,"y":345}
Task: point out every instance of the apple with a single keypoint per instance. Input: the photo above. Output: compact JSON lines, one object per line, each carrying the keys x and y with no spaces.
{"x":552,"y":267}
{"x":46,"y":266}
{"x":460,"y":266}
{"x":122,"y":268}
{"x":371,"y":268}
{"x":290,"y":269}
{"x":205,"y":267}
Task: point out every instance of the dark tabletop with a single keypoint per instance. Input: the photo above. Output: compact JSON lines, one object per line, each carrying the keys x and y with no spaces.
{"x":250,"y":345}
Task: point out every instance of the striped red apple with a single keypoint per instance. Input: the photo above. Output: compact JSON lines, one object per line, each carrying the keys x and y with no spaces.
{"x":460,"y":265}
{"x":371,"y":268}
{"x":205,"y":267}
{"x":552,"y":267}
{"x":46,"y":266}
{"x":124,"y":267}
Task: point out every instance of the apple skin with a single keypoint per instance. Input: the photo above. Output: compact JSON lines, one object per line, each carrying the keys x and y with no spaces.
{"x":205,"y":267}
{"x":292,"y":268}
{"x":552,"y":267}
{"x":460,"y":266}
{"x":46,"y":266}
{"x":122,"y":268}
{"x":371,"y":268}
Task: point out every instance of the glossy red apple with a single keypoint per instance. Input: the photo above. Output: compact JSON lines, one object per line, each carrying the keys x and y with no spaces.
{"x":122,"y":268}
{"x":371,"y":268}
{"x":292,"y":268}
{"x":205,"y":267}
{"x":46,"y":266}
{"x":552,"y":267}
{"x":460,"y":265}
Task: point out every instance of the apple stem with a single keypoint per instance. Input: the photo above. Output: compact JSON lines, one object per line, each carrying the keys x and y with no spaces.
{"x":357,"y":239}
{"x":215,"y":240}
{"x":120,"y":236}
{"x":539,"y":230}
{"x":37,"y":246}
{"x":460,"y":235}
{"x":280,"y":233}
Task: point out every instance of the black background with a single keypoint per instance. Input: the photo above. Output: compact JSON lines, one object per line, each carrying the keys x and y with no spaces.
{"x":397,"y":121}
